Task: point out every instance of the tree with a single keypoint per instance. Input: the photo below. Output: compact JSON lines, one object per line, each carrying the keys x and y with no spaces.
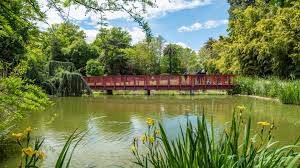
{"x":265,"y":40}
{"x":59,"y":37}
{"x":111,"y":42}
{"x":94,"y":68}
{"x":79,"y":53}
{"x":144,"y":57}
{"x":16,"y":26}
{"x":170,"y":61}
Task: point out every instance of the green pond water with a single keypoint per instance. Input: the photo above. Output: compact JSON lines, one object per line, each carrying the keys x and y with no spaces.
{"x":113,"y":121}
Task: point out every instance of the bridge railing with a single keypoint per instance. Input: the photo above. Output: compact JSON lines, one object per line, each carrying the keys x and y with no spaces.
{"x":160,"y":82}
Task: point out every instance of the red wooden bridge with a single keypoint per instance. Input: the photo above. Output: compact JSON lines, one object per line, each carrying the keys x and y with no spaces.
{"x":161,"y":82}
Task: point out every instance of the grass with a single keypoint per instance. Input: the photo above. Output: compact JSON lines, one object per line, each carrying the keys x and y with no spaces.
{"x":198,"y":146}
{"x":288,"y":92}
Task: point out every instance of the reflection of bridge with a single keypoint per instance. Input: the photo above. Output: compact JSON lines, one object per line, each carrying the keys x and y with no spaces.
{"x":160,"y":82}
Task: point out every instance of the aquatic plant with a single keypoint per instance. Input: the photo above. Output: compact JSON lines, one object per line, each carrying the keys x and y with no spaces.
{"x":32,"y":155}
{"x":291,"y":93}
{"x":199,"y":146}
{"x":288,"y":92}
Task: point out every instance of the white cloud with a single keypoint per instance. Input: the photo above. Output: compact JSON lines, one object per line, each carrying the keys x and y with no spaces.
{"x":90,"y":35}
{"x":182,"y":44}
{"x":167,"y":6}
{"x":137,"y":34}
{"x":207,"y":25}
{"x":177,"y":43}
{"x":79,"y":13}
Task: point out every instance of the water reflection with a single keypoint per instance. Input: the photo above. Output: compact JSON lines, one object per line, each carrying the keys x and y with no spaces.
{"x":112,"y":122}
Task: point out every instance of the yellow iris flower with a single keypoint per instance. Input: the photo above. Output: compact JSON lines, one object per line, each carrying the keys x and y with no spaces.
{"x":150,"y":121}
{"x":133,"y":148}
{"x":28,"y":130}
{"x":42,"y":155}
{"x":18,"y":136}
{"x":263,"y":123}
{"x":241,"y":108}
{"x":151,"y":139}
{"x":28,"y":151}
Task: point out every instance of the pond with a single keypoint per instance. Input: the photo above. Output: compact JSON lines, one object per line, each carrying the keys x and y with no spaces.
{"x":113,"y":121}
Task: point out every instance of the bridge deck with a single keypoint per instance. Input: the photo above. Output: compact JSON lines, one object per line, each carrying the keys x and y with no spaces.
{"x":161,"y":82}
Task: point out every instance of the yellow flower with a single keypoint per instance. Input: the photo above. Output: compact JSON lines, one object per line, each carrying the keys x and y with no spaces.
{"x":151,"y":139}
{"x":263,"y":123}
{"x":133,"y":148}
{"x":150,"y":121}
{"x":143,"y":138}
{"x":241,"y":108}
{"x":42,"y":155}
{"x":28,"y":130}
{"x":156,"y":132}
{"x":28,"y":151}
{"x":18,"y":136}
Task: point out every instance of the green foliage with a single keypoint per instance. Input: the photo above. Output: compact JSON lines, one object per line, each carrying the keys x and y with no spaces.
{"x":262,"y":40}
{"x":32,"y":156}
{"x":62,"y":158}
{"x":15,"y":29}
{"x":111,"y":42}
{"x":287,"y":91}
{"x":79,"y":53}
{"x":17,"y":98}
{"x":144,"y":57}
{"x":291,"y":93}
{"x":170,"y":62}
{"x":55,"y":66}
{"x":66,"y":83}
{"x":94,"y":68}
{"x":202,"y":145}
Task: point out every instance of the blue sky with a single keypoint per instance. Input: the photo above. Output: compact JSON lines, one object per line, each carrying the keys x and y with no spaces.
{"x":186,"y":22}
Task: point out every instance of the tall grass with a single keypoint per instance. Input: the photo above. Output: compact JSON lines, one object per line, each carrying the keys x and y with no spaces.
{"x":288,"y":92}
{"x":291,"y":93}
{"x":198,"y":146}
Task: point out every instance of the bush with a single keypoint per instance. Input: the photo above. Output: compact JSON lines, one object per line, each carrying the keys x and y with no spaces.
{"x":17,"y":97}
{"x":94,"y":68}
{"x":198,"y":146}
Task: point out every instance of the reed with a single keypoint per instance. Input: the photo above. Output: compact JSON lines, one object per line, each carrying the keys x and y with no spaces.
{"x":291,"y":93}
{"x":287,"y":91}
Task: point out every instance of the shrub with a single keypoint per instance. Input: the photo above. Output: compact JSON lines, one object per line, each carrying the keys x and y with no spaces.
{"x":94,"y":68}
{"x":17,"y":97}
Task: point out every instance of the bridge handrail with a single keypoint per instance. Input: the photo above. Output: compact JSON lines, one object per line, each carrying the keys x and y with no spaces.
{"x":158,"y":82}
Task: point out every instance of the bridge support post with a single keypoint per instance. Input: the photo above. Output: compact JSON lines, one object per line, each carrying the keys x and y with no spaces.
{"x":109,"y":92}
{"x":192,"y":92}
{"x":147,"y":92}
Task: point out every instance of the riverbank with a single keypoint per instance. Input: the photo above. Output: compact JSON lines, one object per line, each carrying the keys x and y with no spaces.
{"x":286,"y":91}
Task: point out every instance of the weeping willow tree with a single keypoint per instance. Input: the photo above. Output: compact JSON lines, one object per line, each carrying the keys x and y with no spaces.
{"x":55,"y":66}
{"x":64,"y":82}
